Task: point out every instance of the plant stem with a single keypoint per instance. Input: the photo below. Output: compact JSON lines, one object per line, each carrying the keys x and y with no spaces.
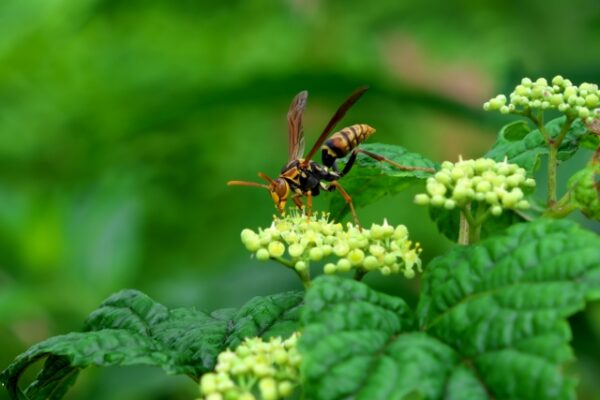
{"x":552,"y":161}
{"x":466,"y":224}
{"x":303,"y":275}
{"x":554,"y":144}
{"x":359,"y":274}
{"x":463,"y":231}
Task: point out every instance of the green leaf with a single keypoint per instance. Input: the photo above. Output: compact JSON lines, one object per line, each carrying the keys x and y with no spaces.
{"x":131,"y":329}
{"x":370,"y":180}
{"x":503,"y":304}
{"x":491,"y":323}
{"x":527,"y":151}
{"x":584,"y":186}
{"x":358,"y":343}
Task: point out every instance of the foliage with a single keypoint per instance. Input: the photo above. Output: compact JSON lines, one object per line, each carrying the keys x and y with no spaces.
{"x":491,"y":320}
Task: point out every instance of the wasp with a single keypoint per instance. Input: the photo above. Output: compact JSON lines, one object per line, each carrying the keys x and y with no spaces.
{"x":303,"y":177}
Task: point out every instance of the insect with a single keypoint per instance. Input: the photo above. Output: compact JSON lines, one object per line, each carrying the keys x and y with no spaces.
{"x":303,"y":177}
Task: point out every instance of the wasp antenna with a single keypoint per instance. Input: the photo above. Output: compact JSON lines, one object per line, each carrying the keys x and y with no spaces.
{"x":265,"y":177}
{"x":244,"y":183}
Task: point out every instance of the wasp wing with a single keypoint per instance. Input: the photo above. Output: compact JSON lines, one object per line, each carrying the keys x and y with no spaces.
{"x":295,"y":129}
{"x":339,"y":114}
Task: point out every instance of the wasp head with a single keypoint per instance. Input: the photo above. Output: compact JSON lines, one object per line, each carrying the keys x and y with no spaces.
{"x":280,"y":190}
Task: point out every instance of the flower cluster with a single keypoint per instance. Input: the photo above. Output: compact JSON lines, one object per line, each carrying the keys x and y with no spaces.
{"x":499,"y":185}
{"x":254,"y":370}
{"x":581,"y":101}
{"x":304,"y":239}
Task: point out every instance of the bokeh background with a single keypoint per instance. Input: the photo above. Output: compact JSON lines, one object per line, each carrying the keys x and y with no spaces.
{"x":121,"y":121}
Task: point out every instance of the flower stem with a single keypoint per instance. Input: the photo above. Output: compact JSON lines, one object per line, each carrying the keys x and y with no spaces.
{"x":304,"y":275}
{"x":359,"y":274}
{"x":463,"y":232}
{"x":554,"y":144}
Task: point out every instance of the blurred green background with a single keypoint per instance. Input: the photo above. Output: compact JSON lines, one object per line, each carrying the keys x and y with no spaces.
{"x":121,"y":121}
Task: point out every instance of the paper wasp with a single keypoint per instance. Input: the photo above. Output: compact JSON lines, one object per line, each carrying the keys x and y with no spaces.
{"x":304,"y":177}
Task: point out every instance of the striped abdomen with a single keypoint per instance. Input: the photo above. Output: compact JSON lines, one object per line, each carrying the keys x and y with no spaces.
{"x":344,"y":141}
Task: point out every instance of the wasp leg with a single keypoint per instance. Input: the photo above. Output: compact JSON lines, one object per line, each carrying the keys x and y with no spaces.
{"x":298,"y":201}
{"x":348,"y":199}
{"x":380,"y":158}
{"x":309,"y":203}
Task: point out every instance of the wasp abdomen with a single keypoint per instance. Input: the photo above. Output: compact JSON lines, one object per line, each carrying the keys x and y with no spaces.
{"x":344,"y":141}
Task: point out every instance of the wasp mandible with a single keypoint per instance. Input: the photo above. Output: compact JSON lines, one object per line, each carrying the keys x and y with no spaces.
{"x":302,"y":177}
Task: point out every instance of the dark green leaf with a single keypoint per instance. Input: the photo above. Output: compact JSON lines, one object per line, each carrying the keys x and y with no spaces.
{"x":357,"y":343}
{"x":528,"y":151}
{"x":370,"y":180}
{"x":131,"y":329}
{"x":503,"y":304}
{"x":515,"y":130}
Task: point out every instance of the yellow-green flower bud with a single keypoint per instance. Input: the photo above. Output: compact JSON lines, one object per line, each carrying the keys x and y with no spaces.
{"x":341,"y":249}
{"x":276,"y":249}
{"x":356,"y":256}
{"x":263,"y":255}
{"x":422,"y":199}
{"x":370,"y":263}
{"x":344,"y":265}
{"x":285,"y":388}
{"x":300,"y":266}
{"x":330,"y":268}
{"x":438,"y":200}
{"x":496,"y":210}
{"x":295,"y":250}
{"x":268,"y":388}
{"x":208,"y":383}
{"x":315,"y":254}
{"x":449,"y":204}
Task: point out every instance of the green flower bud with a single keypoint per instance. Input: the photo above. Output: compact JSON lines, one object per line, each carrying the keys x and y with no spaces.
{"x":295,"y":250}
{"x":268,"y":388}
{"x":438,"y":200}
{"x":491,"y":197}
{"x":263,"y":254}
{"x":486,"y":106}
{"x":558,"y":80}
{"x":422,"y":199}
{"x":327,"y":250}
{"x":246,"y":396}
{"x":496,"y":210}
{"x":541,"y":82}
{"x":214,"y":396}
{"x":385,"y":271}
{"x":285,"y":388}
{"x":315,"y":254}
{"x":449,"y":204}
{"x":526,"y":82}
{"x":563,"y":107}
{"x":208,"y":383}
{"x":504,"y":110}
{"x":443,"y":177}
{"x":370,"y":263}
{"x":377,"y":250}
{"x":341,"y":249}
{"x":300,"y":266}
{"x":556,"y":99}
{"x":592,"y":100}
{"x":389,"y":259}
{"x":401,"y":232}
{"x":584,"y":112}
{"x":356,"y":257}
{"x":276,"y":249}
{"x":523,"y":205}
{"x":344,"y":265}
{"x":330,"y":268}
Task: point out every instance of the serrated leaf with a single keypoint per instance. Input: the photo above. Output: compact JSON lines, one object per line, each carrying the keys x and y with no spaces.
{"x":358,"y":343}
{"x":491,"y":323}
{"x":528,"y":151}
{"x":131,"y":329}
{"x":370,"y":180}
{"x":503,"y":304}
